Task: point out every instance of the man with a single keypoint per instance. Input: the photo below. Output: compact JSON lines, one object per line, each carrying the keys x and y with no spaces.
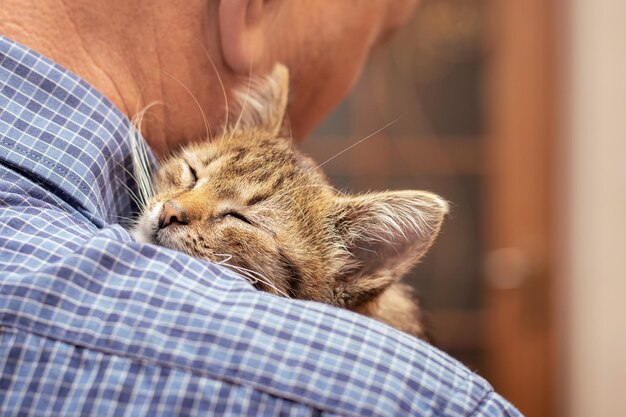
{"x":139,"y":52}
{"x":94,"y":323}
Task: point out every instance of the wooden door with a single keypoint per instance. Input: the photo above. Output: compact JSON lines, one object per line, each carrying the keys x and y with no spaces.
{"x":519,"y":231}
{"x":473,"y":84}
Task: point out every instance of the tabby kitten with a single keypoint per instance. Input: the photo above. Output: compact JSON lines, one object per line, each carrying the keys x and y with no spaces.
{"x":251,"y":200}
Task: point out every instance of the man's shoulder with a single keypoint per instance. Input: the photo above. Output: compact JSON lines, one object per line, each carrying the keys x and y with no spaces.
{"x":86,"y":311}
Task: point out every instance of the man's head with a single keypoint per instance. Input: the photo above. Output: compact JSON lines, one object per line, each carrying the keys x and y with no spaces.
{"x":170,"y":51}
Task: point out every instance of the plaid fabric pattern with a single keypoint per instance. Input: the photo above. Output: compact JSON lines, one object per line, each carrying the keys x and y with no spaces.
{"x":93,"y":323}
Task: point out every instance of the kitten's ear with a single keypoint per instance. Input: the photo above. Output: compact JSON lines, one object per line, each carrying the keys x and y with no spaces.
{"x":385,"y":234}
{"x":263,"y":106}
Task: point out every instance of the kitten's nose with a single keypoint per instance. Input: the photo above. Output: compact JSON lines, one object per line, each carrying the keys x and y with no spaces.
{"x":171,"y":213}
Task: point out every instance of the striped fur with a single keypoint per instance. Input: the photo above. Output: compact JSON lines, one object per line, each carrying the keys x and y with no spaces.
{"x":254,"y":202}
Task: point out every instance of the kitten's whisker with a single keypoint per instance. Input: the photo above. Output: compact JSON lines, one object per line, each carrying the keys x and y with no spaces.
{"x":359,"y":142}
{"x":126,"y":222}
{"x":142,"y":198}
{"x":207,"y":126}
{"x":242,"y":271}
{"x":227,"y":257}
{"x":124,"y":217}
{"x":140,"y":160}
{"x":245,"y":104}
{"x":219,"y":78}
{"x":256,"y":276}
{"x":130,"y":174}
{"x":251,"y":279}
{"x":134,"y":196}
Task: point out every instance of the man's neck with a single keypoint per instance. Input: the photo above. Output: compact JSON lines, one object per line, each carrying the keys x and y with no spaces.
{"x":135,"y":53}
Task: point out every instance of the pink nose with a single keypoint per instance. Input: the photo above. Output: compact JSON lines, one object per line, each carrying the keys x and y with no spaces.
{"x":171,"y":213}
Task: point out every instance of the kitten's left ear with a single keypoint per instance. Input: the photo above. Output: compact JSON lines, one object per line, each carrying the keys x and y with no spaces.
{"x":385,"y":234}
{"x":263,"y":105}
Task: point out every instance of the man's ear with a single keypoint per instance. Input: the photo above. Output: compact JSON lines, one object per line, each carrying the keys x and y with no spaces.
{"x":385,"y":234}
{"x":262,"y":105}
{"x":242,"y":35}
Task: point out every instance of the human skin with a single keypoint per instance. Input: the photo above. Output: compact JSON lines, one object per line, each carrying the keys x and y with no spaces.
{"x":170,"y":52}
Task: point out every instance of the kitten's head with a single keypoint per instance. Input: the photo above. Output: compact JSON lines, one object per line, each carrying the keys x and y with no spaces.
{"x":251,"y":200}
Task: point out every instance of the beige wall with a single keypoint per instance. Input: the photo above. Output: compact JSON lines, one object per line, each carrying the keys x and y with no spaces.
{"x":593,"y":228}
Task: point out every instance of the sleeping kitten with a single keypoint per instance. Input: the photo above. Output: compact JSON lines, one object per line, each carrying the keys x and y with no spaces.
{"x":251,"y":200}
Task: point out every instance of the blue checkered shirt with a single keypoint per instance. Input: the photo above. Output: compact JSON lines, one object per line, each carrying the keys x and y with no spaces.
{"x":93,"y":323}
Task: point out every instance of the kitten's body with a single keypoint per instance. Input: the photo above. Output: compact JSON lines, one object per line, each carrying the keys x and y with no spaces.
{"x":252,"y":200}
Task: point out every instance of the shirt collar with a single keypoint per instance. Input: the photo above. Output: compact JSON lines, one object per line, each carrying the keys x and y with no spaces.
{"x":64,"y":134}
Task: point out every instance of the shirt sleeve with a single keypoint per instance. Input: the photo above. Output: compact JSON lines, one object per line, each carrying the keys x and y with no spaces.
{"x":92,"y":322}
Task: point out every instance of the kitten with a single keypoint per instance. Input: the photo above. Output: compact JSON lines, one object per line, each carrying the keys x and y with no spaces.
{"x":250,"y":199}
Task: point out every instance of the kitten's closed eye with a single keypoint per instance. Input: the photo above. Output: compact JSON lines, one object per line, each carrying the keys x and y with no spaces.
{"x":193,"y":174}
{"x":176,"y":176}
{"x":238,"y":216}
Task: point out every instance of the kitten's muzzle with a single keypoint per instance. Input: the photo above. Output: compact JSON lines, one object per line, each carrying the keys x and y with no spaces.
{"x":171,"y":214}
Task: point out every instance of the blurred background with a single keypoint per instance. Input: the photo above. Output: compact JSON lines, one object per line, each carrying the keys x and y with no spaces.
{"x":515,"y":112}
